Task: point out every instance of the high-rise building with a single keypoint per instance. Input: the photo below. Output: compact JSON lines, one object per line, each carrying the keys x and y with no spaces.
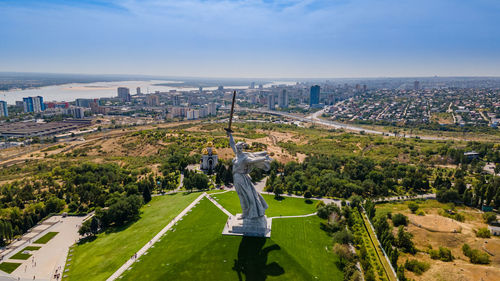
{"x":176,"y":101}
{"x":252,"y":85}
{"x":416,"y":85}
{"x":283,"y":99}
{"x":212,"y":109}
{"x":314,"y":96}
{"x":271,"y":102}
{"x":364,"y":88}
{"x":220,"y":88}
{"x":152,"y":100}
{"x":3,"y":109}
{"x":138,"y":90}
{"x":124,"y":94}
{"x":33,"y":104}
{"x":200,"y":89}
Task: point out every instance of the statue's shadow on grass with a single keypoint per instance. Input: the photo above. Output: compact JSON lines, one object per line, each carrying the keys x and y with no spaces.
{"x":252,"y":260}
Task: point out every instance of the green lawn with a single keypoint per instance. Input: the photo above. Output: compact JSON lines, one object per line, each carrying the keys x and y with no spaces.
{"x":9,"y":267}
{"x":287,"y":206}
{"x":46,"y":238}
{"x":196,"y":250}
{"x":31,"y":248}
{"x":98,"y":259}
{"x":20,"y":256}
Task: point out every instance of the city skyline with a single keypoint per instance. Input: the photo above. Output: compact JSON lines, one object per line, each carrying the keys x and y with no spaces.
{"x":258,"y":39}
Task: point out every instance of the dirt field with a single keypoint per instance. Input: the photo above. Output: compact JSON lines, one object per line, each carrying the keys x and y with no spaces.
{"x":434,"y":230}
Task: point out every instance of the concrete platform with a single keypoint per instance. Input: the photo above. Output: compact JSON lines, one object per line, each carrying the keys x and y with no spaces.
{"x":260,"y":227}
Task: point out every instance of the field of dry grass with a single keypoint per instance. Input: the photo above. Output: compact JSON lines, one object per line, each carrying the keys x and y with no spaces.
{"x":434,"y":230}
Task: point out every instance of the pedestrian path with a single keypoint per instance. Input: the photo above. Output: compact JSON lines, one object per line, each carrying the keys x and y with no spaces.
{"x":300,"y":216}
{"x":157,"y":237}
{"x":219,"y":206}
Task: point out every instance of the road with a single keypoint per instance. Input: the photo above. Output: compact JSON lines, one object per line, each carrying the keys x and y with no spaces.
{"x":314,"y":118}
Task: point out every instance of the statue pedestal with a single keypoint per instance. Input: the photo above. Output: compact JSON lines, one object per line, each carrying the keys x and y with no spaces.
{"x":258,"y":227}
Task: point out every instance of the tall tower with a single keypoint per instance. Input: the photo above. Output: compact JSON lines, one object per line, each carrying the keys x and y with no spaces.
{"x":283,"y":99}
{"x":314,"y":96}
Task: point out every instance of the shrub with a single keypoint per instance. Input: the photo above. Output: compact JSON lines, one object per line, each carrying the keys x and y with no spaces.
{"x":466,"y":250}
{"x":445,"y":254}
{"x":483,"y":232}
{"x":420,"y":213}
{"x":413,"y":207}
{"x":343,"y":236}
{"x":399,"y":219}
{"x":489,"y":217}
{"x":459,"y":217}
{"x":476,"y":256}
{"x":479,"y":257}
{"x":416,"y":266}
{"x":434,"y":254}
{"x":320,"y":204}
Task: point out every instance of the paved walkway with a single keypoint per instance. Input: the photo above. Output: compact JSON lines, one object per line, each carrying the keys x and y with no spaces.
{"x":51,"y":256}
{"x":300,"y":216}
{"x":219,"y":205}
{"x":157,"y":237}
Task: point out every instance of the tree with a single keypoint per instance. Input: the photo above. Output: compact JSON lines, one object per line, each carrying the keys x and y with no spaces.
{"x":344,"y":253}
{"x":405,"y":242}
{"x":277,"y":192}
{"x":146,"y":194}
{"x":370,"y":209}
{"x":94,"y":225}
{"x":85,"y":228}
{"x":399,"y":219}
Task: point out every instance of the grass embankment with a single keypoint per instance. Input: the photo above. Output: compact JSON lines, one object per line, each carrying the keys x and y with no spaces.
{"x":9,"y":267}
{"x":195,"y":249}
{"x":286,"y":206}
{"x":98,"y":259}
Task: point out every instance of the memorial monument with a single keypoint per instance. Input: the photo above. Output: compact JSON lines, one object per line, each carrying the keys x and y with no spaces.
{"x":252,"y":221}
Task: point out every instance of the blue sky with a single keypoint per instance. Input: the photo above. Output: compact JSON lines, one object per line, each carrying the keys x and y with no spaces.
{"x":252,"y":38}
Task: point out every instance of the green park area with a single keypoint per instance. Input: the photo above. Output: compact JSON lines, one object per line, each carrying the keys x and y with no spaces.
{"x":9,"y":267}
{"x":98,"y":257}
{"x":284,"y":206}
{"x":46,"y":238}
{"x":195,"y":249}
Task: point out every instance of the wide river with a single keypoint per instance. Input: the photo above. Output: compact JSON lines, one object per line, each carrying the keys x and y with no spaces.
{"x":70,"y":92}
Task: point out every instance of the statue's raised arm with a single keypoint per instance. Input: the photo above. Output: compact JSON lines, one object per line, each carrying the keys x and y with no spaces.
{"x":231,"y":141}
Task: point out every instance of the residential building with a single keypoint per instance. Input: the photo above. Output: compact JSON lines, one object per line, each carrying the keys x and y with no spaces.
{"x":212,"y":109}
{"x":33,"y":104}
{"x":3,"y":109}
{"x":283,"y":99}
{"x":152,"y":100}
{"x":124,"y":94}
{"x":271,"y":102}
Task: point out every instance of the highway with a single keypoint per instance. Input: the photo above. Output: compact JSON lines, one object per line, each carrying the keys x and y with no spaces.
{"x":314,"y":118}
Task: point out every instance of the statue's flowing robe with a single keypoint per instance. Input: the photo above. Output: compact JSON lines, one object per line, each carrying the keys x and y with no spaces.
{"x":252,"y":203}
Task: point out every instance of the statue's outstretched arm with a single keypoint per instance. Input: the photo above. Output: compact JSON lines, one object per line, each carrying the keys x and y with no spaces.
{"x":231,"y":142}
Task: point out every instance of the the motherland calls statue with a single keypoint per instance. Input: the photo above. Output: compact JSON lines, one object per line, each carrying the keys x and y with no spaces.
{"x":252,"y":203}
{"x":252,"y":221}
